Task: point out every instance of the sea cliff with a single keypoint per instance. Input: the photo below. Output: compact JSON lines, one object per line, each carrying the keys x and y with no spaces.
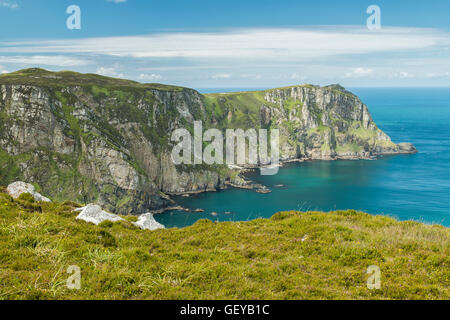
{"x":90,"y":138}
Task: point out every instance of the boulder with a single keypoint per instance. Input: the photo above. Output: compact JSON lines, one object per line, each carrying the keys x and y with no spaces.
{"x":407,"y":147}
{"x":148,"y":222}
{"x":94,"y":214}
{"x":17,"y":188}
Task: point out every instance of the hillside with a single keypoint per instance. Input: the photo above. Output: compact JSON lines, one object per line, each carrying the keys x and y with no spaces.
{"x":293,"y":255}
{"x":318,"y":123}
{"x":44,"y":78}
{"x":90,"y":138}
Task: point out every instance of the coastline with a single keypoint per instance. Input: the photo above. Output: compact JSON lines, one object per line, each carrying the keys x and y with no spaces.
{"x":259,"y":188}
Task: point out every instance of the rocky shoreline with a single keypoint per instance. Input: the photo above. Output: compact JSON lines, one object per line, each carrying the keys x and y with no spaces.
{"x":94,"y":213}
{"x":405,"y":148}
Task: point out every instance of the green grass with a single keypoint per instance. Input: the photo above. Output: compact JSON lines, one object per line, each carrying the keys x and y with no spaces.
{"x":244,"y":106}
{"x":41,"y":77}
{"x":261,"y":259}
{"x":349,"y":147}
{"x":8,"y":168}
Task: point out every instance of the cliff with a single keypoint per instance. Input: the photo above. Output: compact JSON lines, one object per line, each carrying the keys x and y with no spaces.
{"x":318,"y":123}
{"x":91,"y":138}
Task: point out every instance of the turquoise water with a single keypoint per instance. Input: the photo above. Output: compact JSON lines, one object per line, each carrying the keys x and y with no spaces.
{"x":407,"y":187}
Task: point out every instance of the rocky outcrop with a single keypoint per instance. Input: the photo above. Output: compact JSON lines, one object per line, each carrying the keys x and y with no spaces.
{"x":94,"y":214}
{"x":406,"y":148}
{"x":94,"y":139}
{"x":17,"y":188}
{"x":148,"y":222}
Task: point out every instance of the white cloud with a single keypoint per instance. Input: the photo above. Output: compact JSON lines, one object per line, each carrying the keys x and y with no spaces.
{"x":8,"y":4}
{"x":359,"y":73}
{"x":438,"y":75}
{"x":109,"y":72}
{"x":62,"y":61}
{"x":402,"y":75}
{"x":150,"y":77}
{"x":117,"y":1}
{"x":221,"y":76}
{"x":296,"y":76}
{"x":294,"y":44}
{"x":251,"y":57}
{"x":251,"y":76}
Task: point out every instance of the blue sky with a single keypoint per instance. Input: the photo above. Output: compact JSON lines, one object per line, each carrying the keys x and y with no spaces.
{"x":233,"y":44}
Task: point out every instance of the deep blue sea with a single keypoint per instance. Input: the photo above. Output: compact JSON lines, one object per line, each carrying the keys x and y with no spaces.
{"x":407,"y":187}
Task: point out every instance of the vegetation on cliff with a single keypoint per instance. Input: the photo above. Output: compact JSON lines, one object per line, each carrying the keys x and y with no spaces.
{"x":44,"y":78}
{"x":293,"y":255}
{"x":90,"y":138}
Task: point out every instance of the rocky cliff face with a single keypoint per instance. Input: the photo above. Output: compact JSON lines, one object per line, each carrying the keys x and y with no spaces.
{"x":314,"y":122}
{"x":91,"y":138}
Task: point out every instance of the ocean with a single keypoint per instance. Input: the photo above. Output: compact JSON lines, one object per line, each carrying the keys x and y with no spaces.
{"x":406,"y":187}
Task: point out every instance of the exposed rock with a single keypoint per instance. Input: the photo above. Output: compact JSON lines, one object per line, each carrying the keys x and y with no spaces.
{"x":17,"y":188}
{"x":94,"y":214}
{"x":171,"y":208}
{"x":148,"y":222}
{"x":407,"y":147}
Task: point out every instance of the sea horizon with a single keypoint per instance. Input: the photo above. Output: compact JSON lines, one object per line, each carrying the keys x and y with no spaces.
{"x":349,"y":88}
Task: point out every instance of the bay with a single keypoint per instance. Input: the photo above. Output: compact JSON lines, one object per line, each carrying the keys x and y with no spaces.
{"x":406,"y":187}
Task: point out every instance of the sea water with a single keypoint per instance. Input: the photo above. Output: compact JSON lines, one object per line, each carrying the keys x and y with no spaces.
{"x":406,"y":187}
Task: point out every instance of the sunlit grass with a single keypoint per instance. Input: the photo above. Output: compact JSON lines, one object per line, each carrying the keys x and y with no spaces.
{"x":293,"y":255}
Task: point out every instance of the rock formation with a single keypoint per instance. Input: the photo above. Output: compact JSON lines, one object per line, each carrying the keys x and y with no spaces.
{"x":90,"y":138}
{"x":148,"y":222}
{"x":17,"y":188}
{"x":94,"y":214}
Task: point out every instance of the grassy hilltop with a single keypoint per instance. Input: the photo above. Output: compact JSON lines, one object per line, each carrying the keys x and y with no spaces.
{"x":293,"y":255}
{"x":62,"y":79}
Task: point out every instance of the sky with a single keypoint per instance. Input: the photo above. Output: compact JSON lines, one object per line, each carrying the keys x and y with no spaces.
{"x":233,"y":44}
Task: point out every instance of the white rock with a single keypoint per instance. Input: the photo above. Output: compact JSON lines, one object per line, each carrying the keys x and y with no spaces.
{"x":94,"y":214}
{"x":17,"y":188}
{"x":148,"y":222}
